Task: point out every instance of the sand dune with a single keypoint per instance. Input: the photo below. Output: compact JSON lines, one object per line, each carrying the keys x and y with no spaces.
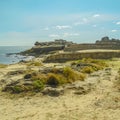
{"x":101,"y":103}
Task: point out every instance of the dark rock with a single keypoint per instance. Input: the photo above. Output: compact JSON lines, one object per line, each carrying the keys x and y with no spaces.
{"x":16,"y":72}
{"x":28,"y":76}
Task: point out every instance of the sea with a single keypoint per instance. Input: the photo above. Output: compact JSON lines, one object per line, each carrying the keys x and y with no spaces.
{"x":5,"y":58}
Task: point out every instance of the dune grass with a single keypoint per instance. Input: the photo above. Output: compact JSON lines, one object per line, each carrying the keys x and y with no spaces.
{"x":34,"y":63}
{"x":3,"y":66}
{"x":58,"y":76}
{"x":91,"y":65}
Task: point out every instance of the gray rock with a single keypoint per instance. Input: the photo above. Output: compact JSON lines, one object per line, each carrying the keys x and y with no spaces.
{"x":53,"y":91}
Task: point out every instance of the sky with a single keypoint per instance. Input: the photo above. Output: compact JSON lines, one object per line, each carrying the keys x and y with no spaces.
{"x":23,"y":22}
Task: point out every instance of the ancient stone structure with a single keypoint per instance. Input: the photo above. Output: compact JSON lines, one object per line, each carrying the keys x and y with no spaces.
{"x":47,"y":47}
{"x":68,"y":46}
{"x":56,"y":42}
{"x":104,"y":43}
{"x":36,"y":51}
{"x":107,"y":41}
{"x":70,"y":56}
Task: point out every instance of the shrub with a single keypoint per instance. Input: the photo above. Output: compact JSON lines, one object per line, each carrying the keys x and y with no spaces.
{"x":17,"y":89}
{"x":57,"y":70}
{"x":87,"y":69}
{"x":38,"y":85}
{"x":70,"y":74}
{"x":82,"y":76}
{"x":91,"y":65}
{"x":53,"y":80}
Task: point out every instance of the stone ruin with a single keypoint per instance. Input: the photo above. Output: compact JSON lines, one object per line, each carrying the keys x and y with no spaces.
{"x":68,"y":46}
{"x":54,"y":43}
{"x":104,"y":43}
{"x":47,"y":47}
{"x":107,"y":41}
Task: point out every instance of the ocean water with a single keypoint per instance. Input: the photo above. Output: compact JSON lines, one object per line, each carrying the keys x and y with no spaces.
{"x":5,"y":59}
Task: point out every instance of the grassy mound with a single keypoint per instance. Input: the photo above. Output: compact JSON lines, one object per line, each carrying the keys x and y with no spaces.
{"x":37,"y":81}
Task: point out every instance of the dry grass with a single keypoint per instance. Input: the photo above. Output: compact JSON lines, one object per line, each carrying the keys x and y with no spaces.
{"x":34,"y":63}
{"x":91,"y":65}
{"x":87,"y":69}
{"x":117,"y":81}
{"x":3,"y":66}
{"x":57,"y":76}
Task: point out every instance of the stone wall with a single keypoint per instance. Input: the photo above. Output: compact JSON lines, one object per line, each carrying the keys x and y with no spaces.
{"x":62,"y":57}
{"x":104,"y":43}
{"x":78,"y":47}
{"x":55,"y":42}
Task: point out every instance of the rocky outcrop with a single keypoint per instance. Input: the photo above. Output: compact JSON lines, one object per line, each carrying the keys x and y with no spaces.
{"x":47,"y":47}
{"x":37,"y":50}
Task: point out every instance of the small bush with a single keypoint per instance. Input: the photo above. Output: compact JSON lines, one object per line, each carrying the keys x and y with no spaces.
{"x":17,"y":89}
{"x":53,"y":80}
{"x":87,"y":70}
{"x":72,"y":75}
{"x":69,"y":73}
{"x":89,"y":65}
{"x":57,"y":70}
{"x":82,"y":76}
{"x":38,"y":85}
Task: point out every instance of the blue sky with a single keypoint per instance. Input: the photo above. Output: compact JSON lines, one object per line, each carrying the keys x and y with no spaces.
{"x":22,"y":22}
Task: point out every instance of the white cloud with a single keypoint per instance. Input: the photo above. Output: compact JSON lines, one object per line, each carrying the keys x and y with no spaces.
{"x":114,"y":31}
{"x":70,"y":34}
{"x":96,"y":15}
{"x":94,"y":26}
{"x":81,"y":22}
{"x":46,"y":28}
{"x":77,"y":23}
{"x":54,"y":35}
{"x":63,"y":27}
{"x":118,"y":23}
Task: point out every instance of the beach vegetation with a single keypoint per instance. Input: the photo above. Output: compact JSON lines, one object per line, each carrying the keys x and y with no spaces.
{"x":38,"y":85}
{"x":34,"y":63}
{"x":3,"y":65}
